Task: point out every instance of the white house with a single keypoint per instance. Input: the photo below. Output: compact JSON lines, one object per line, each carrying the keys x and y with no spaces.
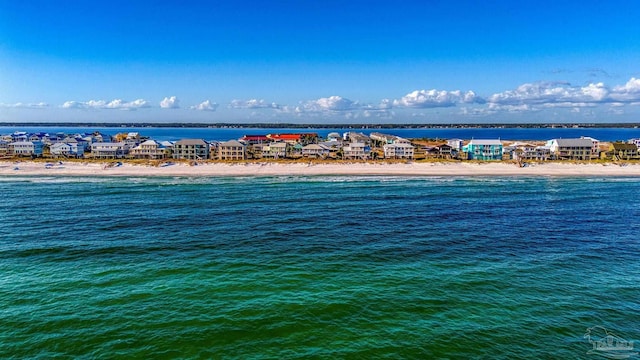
{"x":26,"y":148}
{"x":149,"y":149}
{"x":109,"y":150}
{"x":356,"y":150}
{"x":398,"y":151}
{"x":66,"y":149}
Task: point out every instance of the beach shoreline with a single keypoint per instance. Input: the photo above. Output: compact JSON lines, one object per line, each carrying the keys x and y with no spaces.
{"x":219,"y":169}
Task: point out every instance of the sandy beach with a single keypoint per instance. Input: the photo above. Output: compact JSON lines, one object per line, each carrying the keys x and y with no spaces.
{"x":310,"y":169}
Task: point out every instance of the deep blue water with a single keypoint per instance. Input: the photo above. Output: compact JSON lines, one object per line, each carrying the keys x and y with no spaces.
{"x":316,"y":267}
{"x":603,"y":134}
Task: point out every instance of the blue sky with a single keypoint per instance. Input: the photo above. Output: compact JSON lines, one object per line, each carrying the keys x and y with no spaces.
{"x":320,"y":61}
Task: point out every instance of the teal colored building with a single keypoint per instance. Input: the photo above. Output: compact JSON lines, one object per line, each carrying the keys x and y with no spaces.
{"x":483,"y":150}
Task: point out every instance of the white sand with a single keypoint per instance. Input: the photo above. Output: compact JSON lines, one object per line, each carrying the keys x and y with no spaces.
{"x":305,"y":168}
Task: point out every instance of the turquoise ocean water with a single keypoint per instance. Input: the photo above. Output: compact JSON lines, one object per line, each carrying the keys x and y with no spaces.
{"x":316,"y":267}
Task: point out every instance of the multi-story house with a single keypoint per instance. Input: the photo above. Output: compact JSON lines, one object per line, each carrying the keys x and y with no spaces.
{"x":275,"y":150}
{"x":356,"y":150}
{"x":232,"y":150}
{"x":109,"y":150}
{"x":66,"y":149}
{"x":191,"y":149}
{"x":595,"y":146}
{"x":398,"y":151}
{"x":483,"y":149}
{"x":315,"y":151}
{"x":623,"y":151}
{"x":26,"y":148}
{"x":149,"y":149}
{"x":571,"y":149}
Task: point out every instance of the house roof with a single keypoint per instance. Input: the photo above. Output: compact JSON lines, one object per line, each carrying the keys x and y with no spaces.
{"x":234,"y":143}
{"x":254,"y":138}
{"x":314,"y":147}
{"x":399,"y":145}
{"x":485,"y":142}
{"x":623,"y":146}
{"x":191,"y":142}
{"x":574,"y":142}
{"x":285,"y":136}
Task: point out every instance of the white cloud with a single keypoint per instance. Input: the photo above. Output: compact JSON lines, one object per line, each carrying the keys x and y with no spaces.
{"x":565,"y":95}
{"x":328,"y":104}
{"x":205,"y":106}
{"x":19,"y":105}
{"x":170,"y":103}
{"x":102,"y":104}
{"x":73,"y":105}
{"x":437,"y":98}
{"x":252,"y":104}
{"x":629,"y":92}
{"x":512,"y":108}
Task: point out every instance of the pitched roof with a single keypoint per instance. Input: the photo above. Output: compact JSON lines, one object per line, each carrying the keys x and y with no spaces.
{"x":485,"y":142}
{"x":191,"y":142}
{"x":623,"y":146}
{"x":234,"y":143}
{"x":574,"y":142}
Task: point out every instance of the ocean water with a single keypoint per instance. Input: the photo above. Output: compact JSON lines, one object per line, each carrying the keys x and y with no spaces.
{"x":223,"y":134}
{"x":316,"y":267}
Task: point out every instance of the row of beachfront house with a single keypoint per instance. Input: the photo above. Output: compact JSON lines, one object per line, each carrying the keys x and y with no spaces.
{"x":350,"y":145}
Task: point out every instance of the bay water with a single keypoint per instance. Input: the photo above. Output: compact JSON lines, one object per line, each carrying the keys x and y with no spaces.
{"x":297,"y":267}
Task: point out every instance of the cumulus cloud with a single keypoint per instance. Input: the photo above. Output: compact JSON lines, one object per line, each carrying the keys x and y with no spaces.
{"x":628,"y":93}
{"x":253,"y":104}
{"x":327,"y":104}
{"x":19,"y":105}
{"x":102,"y":104}
{"x":170,"y":103}
{"x":205,"y":106}
{"x":331,"y":103}
{"x":437,"y":98}
{"x":562,"y":94}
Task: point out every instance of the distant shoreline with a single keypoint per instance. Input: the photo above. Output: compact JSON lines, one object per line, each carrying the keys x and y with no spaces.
{"x":304,"y":168}
{"x":322,"y":126}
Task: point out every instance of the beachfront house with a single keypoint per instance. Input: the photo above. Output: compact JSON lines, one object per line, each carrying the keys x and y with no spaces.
{"x":149,"y":149}
{"x":398,"y":151}
{"x":456,"y":144}
{"x":109,"y":150}
{"x":571,"y":149}
{"x":232,"y":150}
{"x":445,"y":151}
{"x":315,"y":151}
{"x":61,"y":149}
{"x":483,"y":149}
{"x":623,"y":151}
{"x":79,"y":144}
{"x":275,"y":150}
{"x":595,"y":146}
{"x":26,"y":148}
{"x":356,"y":150}
{"x":191,"y":149}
